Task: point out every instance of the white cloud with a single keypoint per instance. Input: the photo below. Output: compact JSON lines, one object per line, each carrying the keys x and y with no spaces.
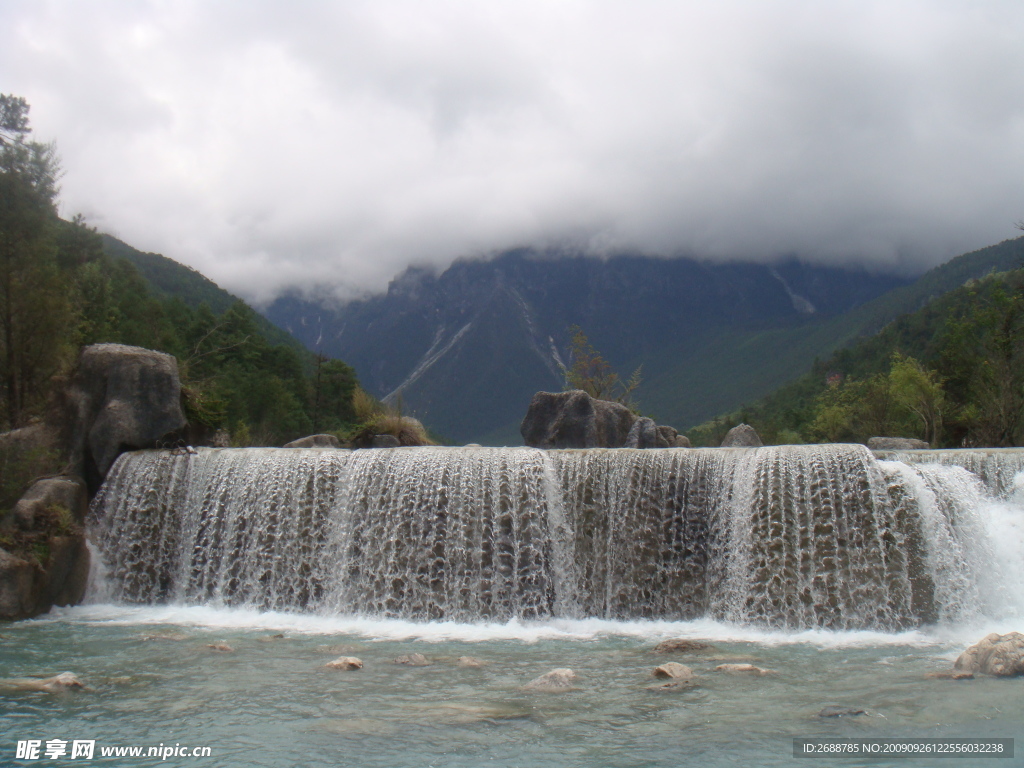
{"x":271,"y":144}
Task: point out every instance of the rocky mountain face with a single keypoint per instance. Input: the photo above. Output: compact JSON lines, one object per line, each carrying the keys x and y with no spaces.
{"x":466,"y":349}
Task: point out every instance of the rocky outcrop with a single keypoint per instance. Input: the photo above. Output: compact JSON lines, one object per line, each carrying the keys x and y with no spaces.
{"x":897,"y":444}
{"x":574,"y":419}
{"x":46,"y":560}
{"x":315,"y":441}
{"x":999,"y":655}
{"x":45,"y":498}
{"x":123,"y":398}
{"x":54,"y":573}
{"x":742,"y":436}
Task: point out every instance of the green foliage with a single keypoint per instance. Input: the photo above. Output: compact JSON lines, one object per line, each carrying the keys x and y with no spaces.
{"x":36,"y":316}
{"x":19,"y":467}
{"x":951,"y":373}
{"x":594,"y":375}
{"x":61,"y":521}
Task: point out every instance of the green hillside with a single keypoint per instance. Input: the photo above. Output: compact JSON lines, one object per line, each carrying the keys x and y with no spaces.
{"x":951,"y":372}
{"x":740,"y":367}
{"x":169,"y":279}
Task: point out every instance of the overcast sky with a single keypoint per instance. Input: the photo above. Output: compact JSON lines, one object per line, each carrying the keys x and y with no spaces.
{"x":273,"y":144}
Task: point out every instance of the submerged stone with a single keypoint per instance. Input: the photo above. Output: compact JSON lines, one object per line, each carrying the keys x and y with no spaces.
{"x":680,"y":645}
{"x":555,"y":681}
{"x":412,"y":660}
{"x":744,"y":669}
{"x":65,"y":681}
{"x":836,"y":711}
{"x":674,"y":670}
{"x":347,"y":663}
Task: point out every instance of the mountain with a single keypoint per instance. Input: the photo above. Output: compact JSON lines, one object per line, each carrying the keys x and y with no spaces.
{"x":465,"y":350}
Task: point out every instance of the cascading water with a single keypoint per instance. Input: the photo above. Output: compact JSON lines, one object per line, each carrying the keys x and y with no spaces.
{"x":789,"y":536}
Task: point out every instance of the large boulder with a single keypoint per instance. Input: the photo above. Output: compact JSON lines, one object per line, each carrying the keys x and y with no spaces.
{"x":48,"y":498}
{"x":29,"y":588}
{"x":742,"y":436}
{"x":574,"y":419}
{"x":555,"y":681}
{"x":1000,"y":655}
{"x":124,"y":398}
{"x":896,"y":444}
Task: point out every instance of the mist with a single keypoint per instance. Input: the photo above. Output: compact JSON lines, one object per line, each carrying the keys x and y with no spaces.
{"x":327,"y":146}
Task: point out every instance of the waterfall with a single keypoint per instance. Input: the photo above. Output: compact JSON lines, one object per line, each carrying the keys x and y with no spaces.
{"x":787,"y":536}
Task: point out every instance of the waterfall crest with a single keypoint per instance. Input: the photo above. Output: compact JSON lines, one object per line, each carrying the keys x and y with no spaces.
{"x":788,"y":536}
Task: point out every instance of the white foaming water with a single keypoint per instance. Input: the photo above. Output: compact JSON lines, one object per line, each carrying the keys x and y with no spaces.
{"x":526,"y":631}
{"x":782,"y":538}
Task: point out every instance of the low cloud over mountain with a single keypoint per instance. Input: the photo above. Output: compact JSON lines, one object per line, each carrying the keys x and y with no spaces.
{"x":276,"y":145}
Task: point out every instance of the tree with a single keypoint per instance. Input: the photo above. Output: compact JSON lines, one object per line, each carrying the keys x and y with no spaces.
{"x":36,"y":317}
{"x":920,"y":392}
{"x":594,"y":375}
{"x":984,"y":353}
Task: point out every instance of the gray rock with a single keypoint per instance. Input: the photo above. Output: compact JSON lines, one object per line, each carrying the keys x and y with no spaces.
{"x":385,"y":441}
{"x":471,"y":662}
{"x":999,"y":655}
{"x":682,"y":441}
{"x":315,"y":441}
{"x":742,"y":436}
{"x":646,"y":434}
{"x":669,"y":436}
{"x":897,"y":444}
{"x":124,"y":398}
{"x":44,"y":497}
{"x":555,"y":681}
{"x":575,"y":420}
